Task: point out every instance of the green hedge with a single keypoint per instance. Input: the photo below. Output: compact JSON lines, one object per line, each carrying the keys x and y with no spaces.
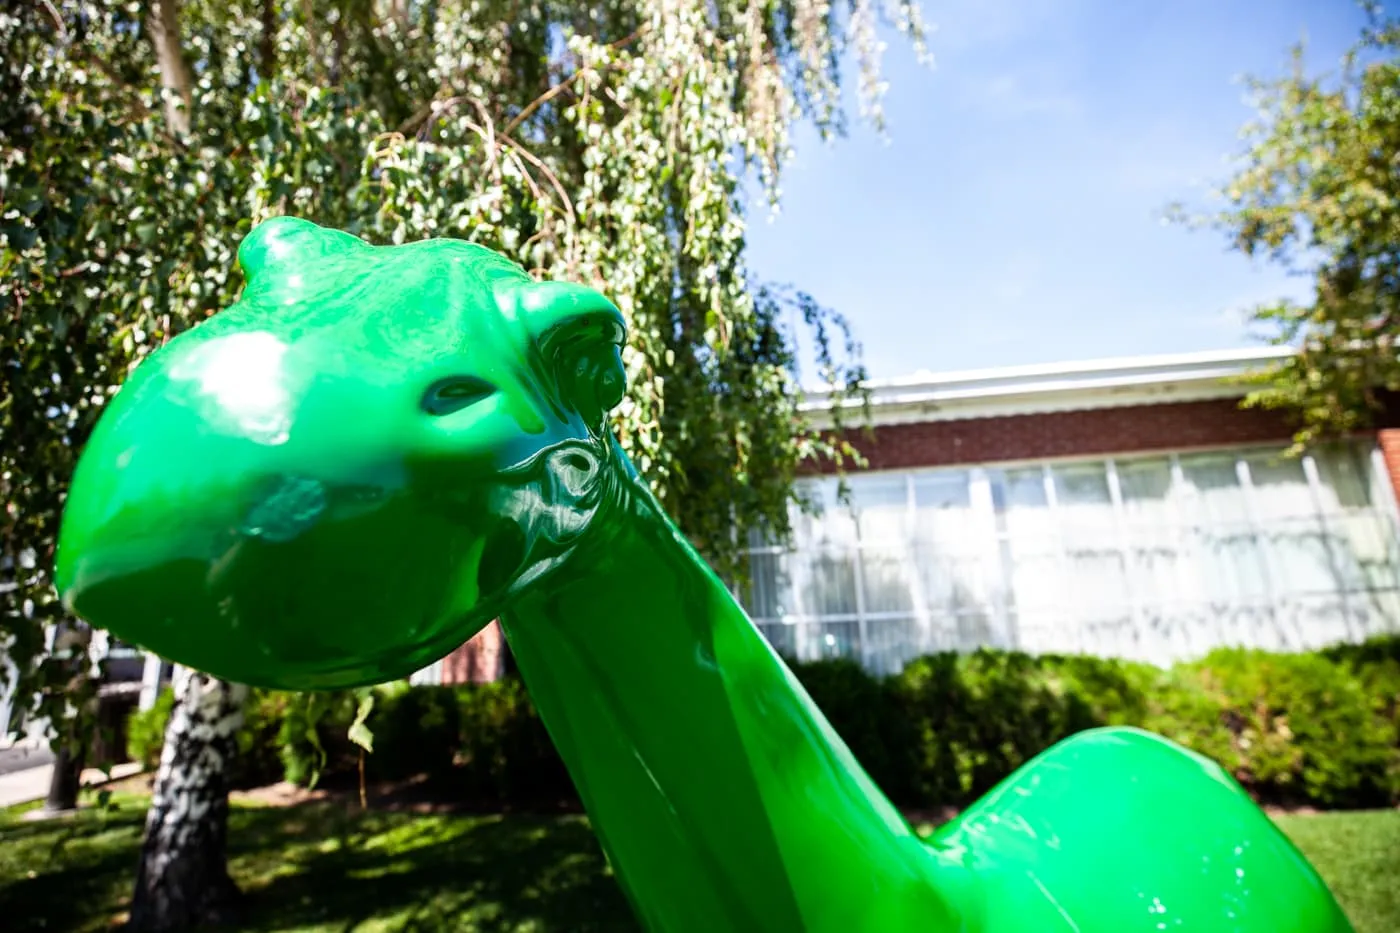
{"x":1321,"y":728}
{"x":267,"y":751}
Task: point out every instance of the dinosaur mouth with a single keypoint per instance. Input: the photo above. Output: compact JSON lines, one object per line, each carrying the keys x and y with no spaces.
{"x":543,"y":509}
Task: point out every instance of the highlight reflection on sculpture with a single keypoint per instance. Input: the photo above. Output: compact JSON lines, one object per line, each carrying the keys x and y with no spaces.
{"x":380,"y":449}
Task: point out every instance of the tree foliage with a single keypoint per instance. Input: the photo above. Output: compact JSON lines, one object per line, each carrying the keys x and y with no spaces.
{"x":1318,"y":191}
{"x":607,"y":143}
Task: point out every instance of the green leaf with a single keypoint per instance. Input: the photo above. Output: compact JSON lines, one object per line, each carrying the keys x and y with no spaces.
{"x":359,"y":732}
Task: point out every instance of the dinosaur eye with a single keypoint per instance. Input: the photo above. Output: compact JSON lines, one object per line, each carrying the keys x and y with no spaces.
{"x":585,"y":352}
{"x":455,"y":393}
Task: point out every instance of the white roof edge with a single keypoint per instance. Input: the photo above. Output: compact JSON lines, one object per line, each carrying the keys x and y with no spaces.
{"x":1060,"y":386}
{"x":1160,"y":362}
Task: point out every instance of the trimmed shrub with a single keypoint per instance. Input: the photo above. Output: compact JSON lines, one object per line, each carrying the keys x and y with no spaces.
{"x":416,"y":731}
{"x":259,"y":761}
{"x":1299,"y":727}
{"x":1320,"y":727}
{"x":1380,"y":650}
{"x":260,"y":746}
{"x":866,"y":712}
{"x":980,"y":716}
{"x":1188,"y":715}
{"x":145,"y":730}
{"x":1110,"y":691}
{"x":506,"y":756}
{"x":313,"y":735}
{"x":1376,"y":666}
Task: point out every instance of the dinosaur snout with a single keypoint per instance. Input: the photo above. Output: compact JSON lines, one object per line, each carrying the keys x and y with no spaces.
{"x":580,"y":333}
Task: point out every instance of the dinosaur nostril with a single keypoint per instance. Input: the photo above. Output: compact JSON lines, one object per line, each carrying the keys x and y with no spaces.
{"x":574,"y":471}
{"x":455,"y":393}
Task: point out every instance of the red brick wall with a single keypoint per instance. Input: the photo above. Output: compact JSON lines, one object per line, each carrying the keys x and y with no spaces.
{"x":1388,"y":439}
{"x":1104,"y":431}
{"x":478,"y":661}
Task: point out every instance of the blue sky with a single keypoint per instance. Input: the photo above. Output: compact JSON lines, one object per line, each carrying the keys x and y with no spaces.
{"x":1013,"y":216}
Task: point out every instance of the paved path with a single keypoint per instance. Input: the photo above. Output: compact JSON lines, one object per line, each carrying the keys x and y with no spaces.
{"x":22,"y":758}
{"x":26,"y":778}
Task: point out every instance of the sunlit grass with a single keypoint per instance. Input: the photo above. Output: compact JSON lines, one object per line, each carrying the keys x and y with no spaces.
{"x":1359,"y":856}
{"x":326,"y":867}
{"x":323,"y":867}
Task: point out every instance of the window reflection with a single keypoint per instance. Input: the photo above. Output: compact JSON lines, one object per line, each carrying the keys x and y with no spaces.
{"x":1154,"y":557}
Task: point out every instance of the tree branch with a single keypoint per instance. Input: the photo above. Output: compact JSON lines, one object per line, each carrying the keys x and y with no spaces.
{"x":57,"y":20}
{"x":267,"y":41}
{"x":80,"y":52}
{"x":164,"y":26}
{"x":564,"y":85}
{"x":425,"y":112}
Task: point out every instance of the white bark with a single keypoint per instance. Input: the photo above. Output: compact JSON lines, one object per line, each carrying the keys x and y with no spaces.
{"x":183,"y":876}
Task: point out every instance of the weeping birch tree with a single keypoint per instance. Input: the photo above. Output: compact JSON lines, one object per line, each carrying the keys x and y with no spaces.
{"x":620,"y":144}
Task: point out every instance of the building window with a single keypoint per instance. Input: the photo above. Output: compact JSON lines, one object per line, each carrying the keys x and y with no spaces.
{"x":1151,"y":557}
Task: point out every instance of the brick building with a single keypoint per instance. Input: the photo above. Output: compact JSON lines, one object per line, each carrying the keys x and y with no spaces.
{"x":480,"y":660}
{"x":1124,"y":507}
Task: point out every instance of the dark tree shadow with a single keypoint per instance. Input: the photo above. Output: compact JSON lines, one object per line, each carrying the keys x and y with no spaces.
{"x":429,"y":873}
{"x":329,"y":866}
{"x":60,"y":874}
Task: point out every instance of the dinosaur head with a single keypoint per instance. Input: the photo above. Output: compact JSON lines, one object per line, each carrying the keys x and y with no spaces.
{"x":349,"y":472}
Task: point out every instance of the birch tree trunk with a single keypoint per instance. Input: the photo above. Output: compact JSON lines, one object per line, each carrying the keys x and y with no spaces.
{"x":183,"y":877}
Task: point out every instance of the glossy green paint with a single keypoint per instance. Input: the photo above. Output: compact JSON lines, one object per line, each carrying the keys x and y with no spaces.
{"x":379,"y":449}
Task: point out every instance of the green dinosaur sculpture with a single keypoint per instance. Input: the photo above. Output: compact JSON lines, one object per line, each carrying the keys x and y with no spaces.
{"x":378,"y":449}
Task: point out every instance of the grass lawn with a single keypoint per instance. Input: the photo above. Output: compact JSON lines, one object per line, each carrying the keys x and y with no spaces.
{"x":323,"y":867}
{"x":1358,"y":854}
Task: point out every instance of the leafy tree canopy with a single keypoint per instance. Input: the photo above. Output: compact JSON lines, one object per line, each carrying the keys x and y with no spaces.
{"x":1318,"y":191}
{"x":605,"y":143}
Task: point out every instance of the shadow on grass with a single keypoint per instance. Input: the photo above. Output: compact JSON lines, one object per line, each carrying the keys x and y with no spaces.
{"x":323,"y":867}
{"x":397,"y":871}
{"x":329,"y":868}
{"x":62,"y":873}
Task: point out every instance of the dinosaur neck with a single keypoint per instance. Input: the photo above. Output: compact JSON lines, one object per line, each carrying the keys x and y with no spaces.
{"x":721,"y":795}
